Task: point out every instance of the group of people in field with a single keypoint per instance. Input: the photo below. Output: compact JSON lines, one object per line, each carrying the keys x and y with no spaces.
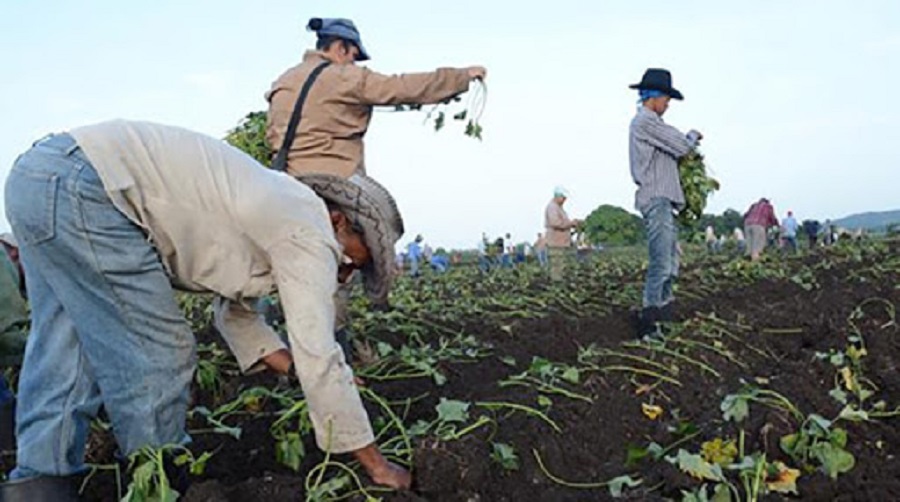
{"x":109,"y":219}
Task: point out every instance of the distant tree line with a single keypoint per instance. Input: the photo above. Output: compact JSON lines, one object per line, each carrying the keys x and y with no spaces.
{"x":613,"y":226}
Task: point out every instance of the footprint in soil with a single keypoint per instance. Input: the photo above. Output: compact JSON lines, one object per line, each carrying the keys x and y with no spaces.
{"x":444,"y":474}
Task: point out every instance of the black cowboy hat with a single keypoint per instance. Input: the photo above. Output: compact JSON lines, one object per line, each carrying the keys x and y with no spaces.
{"x":658,"y":79}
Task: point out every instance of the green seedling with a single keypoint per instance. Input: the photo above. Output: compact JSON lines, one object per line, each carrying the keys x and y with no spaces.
{"x":149,"y":482}
{"x":820,"y":442}
{"x":505,"y":455}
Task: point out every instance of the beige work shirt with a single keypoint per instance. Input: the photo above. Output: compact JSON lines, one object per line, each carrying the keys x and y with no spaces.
{"x":338,"y":108}
{"x":557,"y":226}
{"x":222,"y":223}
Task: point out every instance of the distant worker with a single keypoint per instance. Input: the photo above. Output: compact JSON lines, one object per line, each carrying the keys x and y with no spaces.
{"x":711,"y":239}
{"x":811,"y":229}
{"x":739,"y":240}
{"x":757,"y":221}
{"x":484,"y":258}
{"x":509,"y":250}
{"x":439,"y":262}
{"x":414,"y":254}
{"x":654,"y":150}
{"x":558,"y":228}
{"x":540,"y":249}
{"x":789,"y":228}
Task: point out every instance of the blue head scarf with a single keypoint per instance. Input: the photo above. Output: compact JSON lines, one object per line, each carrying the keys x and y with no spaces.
{"x":341,"y":28}
{"x":646,"y":94}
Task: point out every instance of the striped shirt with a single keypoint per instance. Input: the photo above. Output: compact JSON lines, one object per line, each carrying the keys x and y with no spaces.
{"x":654,"y":148}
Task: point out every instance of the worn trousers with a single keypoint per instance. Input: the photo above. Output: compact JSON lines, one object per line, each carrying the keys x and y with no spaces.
{"x":662,"y":244}
{"x":106,"y":329}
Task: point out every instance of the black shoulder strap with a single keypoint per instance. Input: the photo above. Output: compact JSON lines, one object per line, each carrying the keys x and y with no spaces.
{"x":280,"y":162}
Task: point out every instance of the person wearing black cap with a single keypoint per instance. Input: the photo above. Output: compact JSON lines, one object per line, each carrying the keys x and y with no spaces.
{"x":654,"y":150}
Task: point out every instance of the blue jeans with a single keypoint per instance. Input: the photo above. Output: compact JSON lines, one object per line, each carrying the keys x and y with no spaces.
{"x":662,"y":240}
{"x":791,"y":243}
{"x":105,"y":325}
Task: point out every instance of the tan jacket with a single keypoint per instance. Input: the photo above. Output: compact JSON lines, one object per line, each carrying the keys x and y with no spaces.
{"x":338,"y":108}
{"x":224,"y":224}
{"x":557,"y":226}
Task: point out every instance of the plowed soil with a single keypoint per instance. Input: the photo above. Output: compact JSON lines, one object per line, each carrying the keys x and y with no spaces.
{"x":771,"y":332}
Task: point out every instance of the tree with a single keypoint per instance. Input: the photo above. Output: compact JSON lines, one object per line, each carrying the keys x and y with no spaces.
{"x":613,"y":226}
{"x":250,"y":136}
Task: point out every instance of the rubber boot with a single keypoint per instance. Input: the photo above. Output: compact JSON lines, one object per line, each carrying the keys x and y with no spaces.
{"x":648,"y":323}
{"x":8,"y":426}
{"x":667,"y":312}
{"x":39,"y":489}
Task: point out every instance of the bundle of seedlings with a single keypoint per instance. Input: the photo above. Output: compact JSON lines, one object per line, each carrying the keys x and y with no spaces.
{"x":697,"y":184}
{"x":452,"y":107}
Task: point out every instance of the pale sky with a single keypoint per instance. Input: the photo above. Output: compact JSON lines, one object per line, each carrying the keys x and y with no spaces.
{"x":796,"y":99}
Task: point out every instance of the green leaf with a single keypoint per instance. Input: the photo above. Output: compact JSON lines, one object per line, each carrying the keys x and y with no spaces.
{"x":384,"y":349}
{"x":617,"y":484}
{"x":747,"y":463}
{"x":330,"y":488}
{"x":838,"y":395}
{"x":544,"y":401}
{"x":541,"y":367}
{"x":439,"y":378}
{"x":698,"y":495}
{"x":736,"y":407}
{"x":505,"y":455}
{"x":420,"y":428}
{"x":819,"y":421}
{"x":853,"y":415}
{"x":834,"y":459}
{"x":439,"y":121}
{"x":289,"y":450}
{"x":461,"y":115}
{"x":451,"y":410}
{"x":695,"y":466}
{"x":838,"y":437}
{"x":508,"y":360}
{"x":571,"y":375}
{"x":198,"y":466}
{"x":721,"y":493}
{"x":634,"y":454}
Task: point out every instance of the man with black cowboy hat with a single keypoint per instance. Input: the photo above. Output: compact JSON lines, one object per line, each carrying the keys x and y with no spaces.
{"x":109,"y":218}
{"x":654,"y":150}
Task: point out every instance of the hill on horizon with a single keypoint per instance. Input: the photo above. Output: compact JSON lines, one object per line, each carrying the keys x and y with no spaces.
{"x":874,"y":220}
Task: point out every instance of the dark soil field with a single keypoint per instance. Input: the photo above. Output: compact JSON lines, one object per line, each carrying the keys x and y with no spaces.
{"x":556,"y":376}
